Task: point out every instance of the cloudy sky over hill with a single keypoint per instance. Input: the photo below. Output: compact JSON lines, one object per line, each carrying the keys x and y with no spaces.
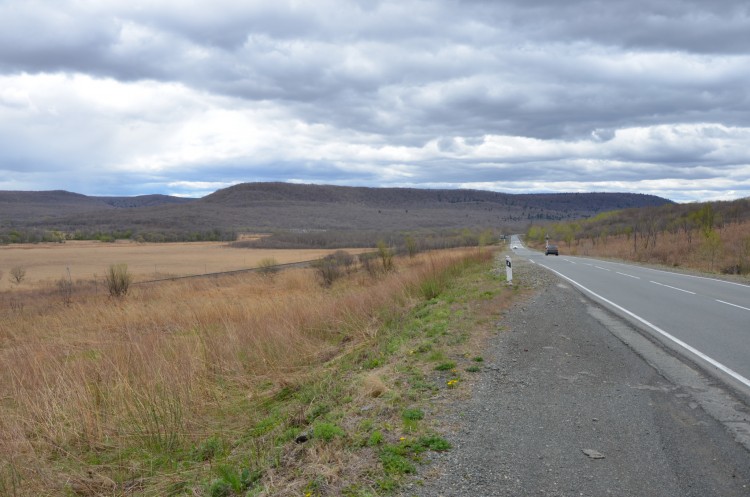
{"x":184,"y":97}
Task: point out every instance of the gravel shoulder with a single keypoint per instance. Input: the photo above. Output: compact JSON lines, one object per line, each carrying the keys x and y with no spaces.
{"x":563,"y":407}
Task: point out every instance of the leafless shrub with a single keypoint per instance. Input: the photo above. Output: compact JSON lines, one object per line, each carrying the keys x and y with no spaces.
{"x":386,"y":256}
{"x":268,"y":266}
{"x":118,"y":280}
{"x":16,"y":305}
{"x":344,"y":259}
{"x":18,"y":273}
{"x":65,"y":290}
{"x":333,"y":266}
{"x":328,"y":270}
{"x":368,"y":263}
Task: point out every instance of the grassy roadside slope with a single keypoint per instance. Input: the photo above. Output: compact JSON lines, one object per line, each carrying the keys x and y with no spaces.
{"x":191,"y":390}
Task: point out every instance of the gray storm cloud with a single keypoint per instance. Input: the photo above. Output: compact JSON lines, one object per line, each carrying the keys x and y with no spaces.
{"x":116,"y":97}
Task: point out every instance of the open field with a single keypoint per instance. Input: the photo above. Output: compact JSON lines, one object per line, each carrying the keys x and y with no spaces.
{"x":201,"y":387}
{"x":45,"y":263}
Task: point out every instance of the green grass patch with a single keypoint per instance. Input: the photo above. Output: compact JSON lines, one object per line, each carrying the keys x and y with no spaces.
{"x":445,"y":366}
{"x":232,"y":481}
{"x":327,"y":431}
{"x":436,"y":356}
{"x":396,"y":460}
{"x":207,"y":450}
{"x":376,"y":438}
{"x":412,"y":414}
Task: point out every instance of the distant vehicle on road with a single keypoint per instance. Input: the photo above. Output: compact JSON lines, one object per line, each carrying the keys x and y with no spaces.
{"x":551,"y":249}
{"x":515,"y":247}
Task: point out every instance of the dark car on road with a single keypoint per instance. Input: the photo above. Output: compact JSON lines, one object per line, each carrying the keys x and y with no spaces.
{"x":551,"y":249}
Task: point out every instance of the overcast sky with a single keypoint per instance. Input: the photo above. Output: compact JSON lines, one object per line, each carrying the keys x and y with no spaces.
{"x":183,"y":97}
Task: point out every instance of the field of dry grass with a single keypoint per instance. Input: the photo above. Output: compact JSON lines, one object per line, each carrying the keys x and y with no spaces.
{"x":133,"y":396}
{"x":45,"y":263}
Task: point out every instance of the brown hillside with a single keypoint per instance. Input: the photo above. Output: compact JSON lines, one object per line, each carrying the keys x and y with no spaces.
{"x":285,"y":206}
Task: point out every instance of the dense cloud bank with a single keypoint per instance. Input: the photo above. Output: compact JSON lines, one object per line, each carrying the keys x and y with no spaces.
{"x":185,"y":97}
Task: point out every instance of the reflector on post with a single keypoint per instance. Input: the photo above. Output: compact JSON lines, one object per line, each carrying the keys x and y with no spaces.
{"x":508,"y":270}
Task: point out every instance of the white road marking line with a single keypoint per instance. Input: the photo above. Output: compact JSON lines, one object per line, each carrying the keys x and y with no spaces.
{"x":733,"y":305}
{"x":676,"y":340}
{"x":681,"y":274}
{"x":628,"y":275}
{"x":602,"y":268}
{"x":673,"y":287}
{"x":532,"y":261}
{"x":568,"y":260}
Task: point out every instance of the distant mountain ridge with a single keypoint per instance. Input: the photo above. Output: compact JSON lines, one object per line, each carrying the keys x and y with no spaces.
{"x":143,"y":201}
{"x":247,"y":193}
{"x":66,"y":198}
{"x":288,"y":206}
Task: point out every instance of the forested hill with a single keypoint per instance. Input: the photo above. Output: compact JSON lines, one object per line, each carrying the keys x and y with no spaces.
{"x":286,"y":206}
{"x":591,"y":203}
{"x":18,"y":205}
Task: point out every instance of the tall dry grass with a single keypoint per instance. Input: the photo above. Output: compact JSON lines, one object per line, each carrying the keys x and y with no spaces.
{"x":170,"y":363}
{"x":726,"y":250}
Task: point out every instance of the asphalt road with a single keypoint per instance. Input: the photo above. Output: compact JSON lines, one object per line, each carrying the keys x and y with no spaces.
{"x":574,"y":401}
{"x":706,"y":320}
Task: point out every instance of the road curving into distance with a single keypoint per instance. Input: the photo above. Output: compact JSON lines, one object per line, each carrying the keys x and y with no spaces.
{"x":704,"y":319}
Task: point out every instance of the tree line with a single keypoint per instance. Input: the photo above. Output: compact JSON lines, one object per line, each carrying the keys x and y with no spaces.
{"x":403,"y":242}
{"x":12,"y":236}
{"x":713,"y":231}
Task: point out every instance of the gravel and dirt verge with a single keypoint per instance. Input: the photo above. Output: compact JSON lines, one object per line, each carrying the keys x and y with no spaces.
{"x":563,"y":407}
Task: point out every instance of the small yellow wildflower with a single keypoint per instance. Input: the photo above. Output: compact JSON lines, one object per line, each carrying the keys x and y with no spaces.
{"x":452,"y":383}
{"x":402,"y":438}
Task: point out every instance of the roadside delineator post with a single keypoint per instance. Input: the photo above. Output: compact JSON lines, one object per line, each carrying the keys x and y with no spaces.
{"x":508,"y":270}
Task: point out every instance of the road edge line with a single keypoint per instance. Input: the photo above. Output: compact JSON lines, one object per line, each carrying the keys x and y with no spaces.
{"x":674,"y":339}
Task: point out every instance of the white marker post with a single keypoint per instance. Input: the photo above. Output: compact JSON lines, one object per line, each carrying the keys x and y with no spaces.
{"x":508,"y":270}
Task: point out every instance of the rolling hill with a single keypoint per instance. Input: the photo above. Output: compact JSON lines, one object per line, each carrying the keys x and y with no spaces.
{"x":285,"y":206}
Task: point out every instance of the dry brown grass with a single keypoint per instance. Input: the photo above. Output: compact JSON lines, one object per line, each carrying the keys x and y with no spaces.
{"x":728,"y":255}
{"x":169,"y":364}
{"x":45,"y":263}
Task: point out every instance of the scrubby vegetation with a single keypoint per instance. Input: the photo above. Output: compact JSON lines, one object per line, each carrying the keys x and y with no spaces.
{"x":401,"y":242}
{"x":712,"y":236}
{"x":118,"y":280}
{"x":32,"y":235}
{"x":240,"y":385}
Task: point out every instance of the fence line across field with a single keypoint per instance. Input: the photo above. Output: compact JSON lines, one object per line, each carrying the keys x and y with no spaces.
{"x":286,"y":265}
{"x":232,"y":271}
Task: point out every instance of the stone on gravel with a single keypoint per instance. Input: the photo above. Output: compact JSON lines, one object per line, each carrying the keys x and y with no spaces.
{"x":593,"y":454}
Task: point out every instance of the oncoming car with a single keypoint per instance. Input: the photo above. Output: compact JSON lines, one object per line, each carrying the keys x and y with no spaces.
{"x":551,"y":249}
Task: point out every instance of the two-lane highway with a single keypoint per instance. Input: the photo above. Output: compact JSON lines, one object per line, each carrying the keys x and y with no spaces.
{"x":706,"y":319}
